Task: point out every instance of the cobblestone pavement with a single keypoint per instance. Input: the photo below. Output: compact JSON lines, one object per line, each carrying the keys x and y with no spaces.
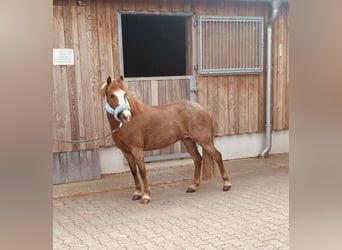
{"x":253,"y":215}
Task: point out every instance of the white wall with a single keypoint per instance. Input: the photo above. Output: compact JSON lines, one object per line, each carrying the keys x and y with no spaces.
{"x":250,"y":145}
{"x":231,"y":147}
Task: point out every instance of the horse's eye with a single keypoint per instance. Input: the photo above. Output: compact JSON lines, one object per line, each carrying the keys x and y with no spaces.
{"x":112,"y":96}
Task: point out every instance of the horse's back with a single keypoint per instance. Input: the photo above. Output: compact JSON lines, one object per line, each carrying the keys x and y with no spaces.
{"x":182,"y":105}
{"x":190,"y":116}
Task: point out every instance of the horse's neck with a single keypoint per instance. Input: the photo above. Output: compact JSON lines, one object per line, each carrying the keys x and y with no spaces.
{"x":136,"y":105}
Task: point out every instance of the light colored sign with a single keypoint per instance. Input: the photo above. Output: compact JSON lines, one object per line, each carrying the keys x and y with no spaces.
{"x":63,"y":57}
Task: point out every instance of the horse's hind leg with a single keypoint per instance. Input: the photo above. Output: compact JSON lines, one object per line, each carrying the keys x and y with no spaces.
{"x":216,"y":155}
{"x":192,"y":149}
{"x":132,"y":165}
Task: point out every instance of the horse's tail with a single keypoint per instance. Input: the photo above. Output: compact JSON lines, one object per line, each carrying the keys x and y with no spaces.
{"x":213,"y":125}
{"x":208,"y":162}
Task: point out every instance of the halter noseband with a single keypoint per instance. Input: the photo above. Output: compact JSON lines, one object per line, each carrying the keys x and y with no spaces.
{"x":115,"y":112}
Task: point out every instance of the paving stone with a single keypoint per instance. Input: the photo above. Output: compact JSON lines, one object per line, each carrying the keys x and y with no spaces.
{"x":253,"y":215}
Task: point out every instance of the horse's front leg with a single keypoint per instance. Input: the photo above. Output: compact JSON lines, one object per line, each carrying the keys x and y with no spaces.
{"x":132,"y":165}
{"x":139,"y":157}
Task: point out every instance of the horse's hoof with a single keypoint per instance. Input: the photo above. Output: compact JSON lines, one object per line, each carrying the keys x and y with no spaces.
{"x":227,"y":187}
{"x":145,"y":201}
{"x":136,"y":197}
{"x":190,"y":190}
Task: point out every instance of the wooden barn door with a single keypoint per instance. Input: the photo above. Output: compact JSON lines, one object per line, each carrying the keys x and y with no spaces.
{"x":171,"y":84}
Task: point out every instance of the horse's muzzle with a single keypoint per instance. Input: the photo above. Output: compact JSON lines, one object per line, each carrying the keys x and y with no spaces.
{"x":125,"y":116}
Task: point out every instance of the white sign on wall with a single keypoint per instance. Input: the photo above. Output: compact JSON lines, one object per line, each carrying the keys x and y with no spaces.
{"x":63,"y":57}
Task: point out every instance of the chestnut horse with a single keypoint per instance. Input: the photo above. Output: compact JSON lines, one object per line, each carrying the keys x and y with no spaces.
{"x":139,"y":127}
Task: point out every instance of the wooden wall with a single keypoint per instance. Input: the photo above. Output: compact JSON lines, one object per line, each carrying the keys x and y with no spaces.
{"x":237,"y":101}
{"x":244,"y":109}
{"x":281,"y":71}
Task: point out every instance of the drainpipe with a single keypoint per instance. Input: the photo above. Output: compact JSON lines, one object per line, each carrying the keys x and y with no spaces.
{"x":268,"y":123}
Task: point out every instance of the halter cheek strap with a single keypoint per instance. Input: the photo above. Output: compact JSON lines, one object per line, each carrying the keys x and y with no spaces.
{"x":115,"y":112}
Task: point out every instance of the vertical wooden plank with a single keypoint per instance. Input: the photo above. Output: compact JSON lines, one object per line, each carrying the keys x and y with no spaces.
{"x":94,"y":65}
{"x":173,"y":6}
{"x":151,"y":5}
{"x":169,"y":94}
{"x":163,"y":5}
{"x":132,"y":88}
{"x":163,"y":99}
{"x":252,"y":103}
{"x":77,"y":77}
{"x":243,"y":104}
{"x":213,"y":99}
{"x":233,"y":100}
{"x":96,"y":103}
{"x":115,"y":6}
{"x":139,"y":94}
{"x":84,"y":76}
{"x":71,"y":81}
{"x":226,"y":105}
{"x":56,"y":73}
{"x":202,"y":91}
{"x":140,"y":90}
{"x":147,"y":92}
{"x":187,"y":6}
{"x":175,"y":90}
{"x":128,"y":5}
{"x":61,"y":103}
{"x":140,"y":5}
{"x":105,"y":49}
{"x":154,"y":92}
{"x":105,"y":39}
{"x":162,"y":91}
{"x":184,"y":90}
{"x":229,"y":8}
{"x":261,"y":103}
{"x":222,"y":100}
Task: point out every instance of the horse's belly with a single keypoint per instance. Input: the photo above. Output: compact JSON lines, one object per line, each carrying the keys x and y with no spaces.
{"x":158,"y":141}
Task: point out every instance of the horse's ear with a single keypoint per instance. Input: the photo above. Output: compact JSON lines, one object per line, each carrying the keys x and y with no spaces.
{"x":103,"y":88}
{"x":109,"y":80}
{"x":121,"y":77}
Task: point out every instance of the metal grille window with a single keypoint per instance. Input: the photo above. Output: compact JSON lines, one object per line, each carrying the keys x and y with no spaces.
{"x":231,"y":45}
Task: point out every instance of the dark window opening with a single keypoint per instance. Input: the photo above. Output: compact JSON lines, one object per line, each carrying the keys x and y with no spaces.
{"x":153,"y":45}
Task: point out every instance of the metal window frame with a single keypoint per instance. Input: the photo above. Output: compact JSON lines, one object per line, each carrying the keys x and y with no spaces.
{"x":236,"y":70}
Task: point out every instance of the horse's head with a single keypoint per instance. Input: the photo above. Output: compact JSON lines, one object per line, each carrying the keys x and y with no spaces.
{"x":117,"y":99}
